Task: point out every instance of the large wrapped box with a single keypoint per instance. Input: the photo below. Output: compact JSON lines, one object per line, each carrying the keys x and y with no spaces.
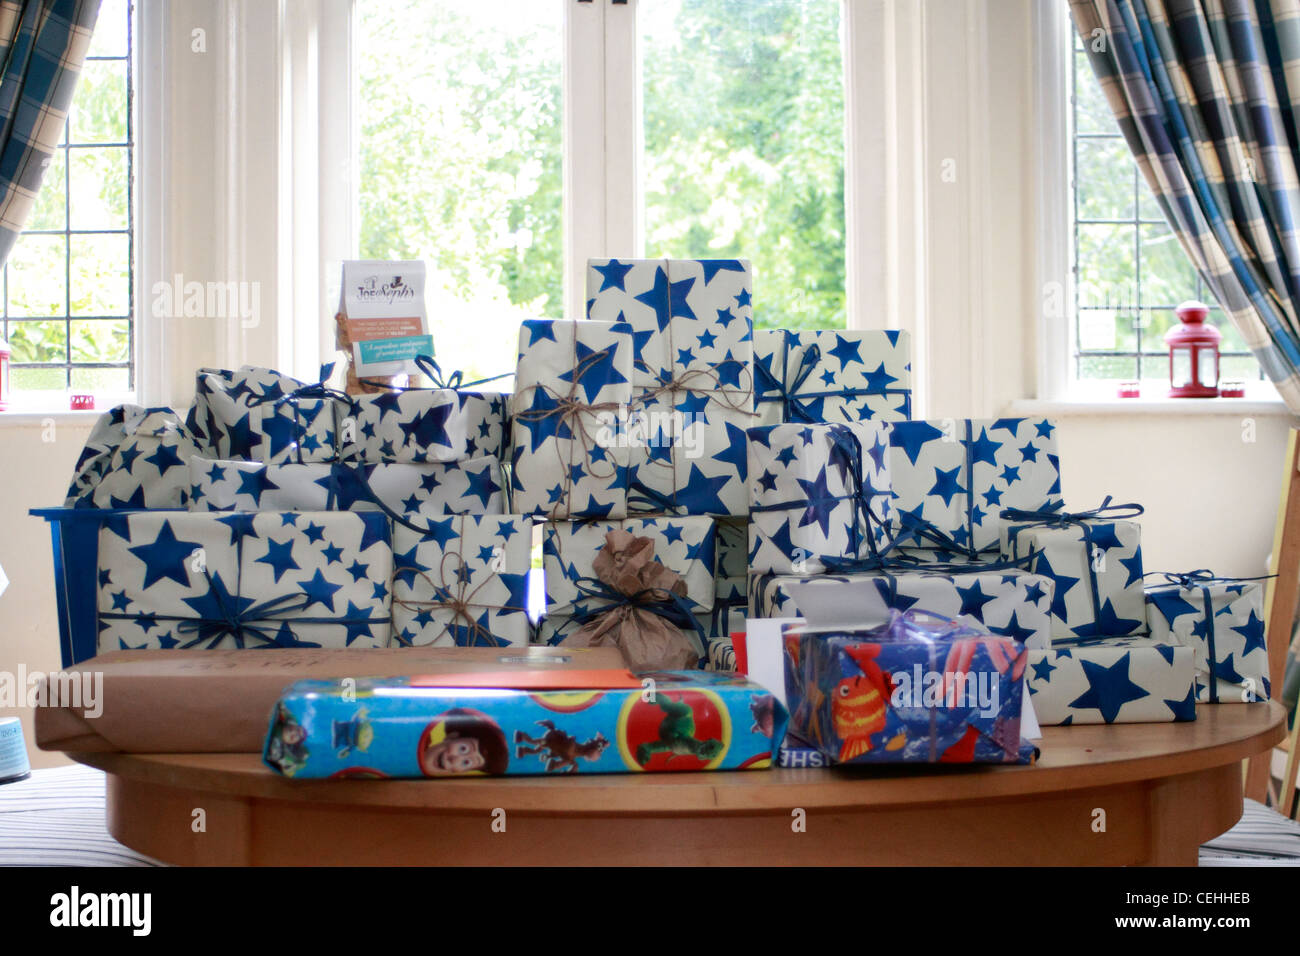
{"x":134,"y":458}
{"x":832,"y":376}
{"x":952,"y":477}
{"x":817,"y":492}
{"x":258,"y":414}
{"x":1112,"y":680}
{"x":473,"y":486}
{"x":1222,"y":621}
{"x":611,"y":723}
{"x":463,"y":583}
{"x":1095,"y":563}
{"x":179,"y":579}
{"x":1008,"y":601}
{"x":693,"y":377}
{"x":569,"y":457}
{"x":918,"y":689}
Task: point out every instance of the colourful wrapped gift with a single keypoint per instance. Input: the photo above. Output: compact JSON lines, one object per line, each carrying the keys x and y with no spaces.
{"x":134,"y":458}
{"x":832,"y":376}
{"x":1094,"y":559}
{"x":463,"y":583}
{"x":1007,"y":601}
{"x":403,"y":727}
{"x":258,"y":414}
{"x":184,"y":579}
{"x":918,"y":689}
{"x":1112,"y":680}
{"x":693,"y":377}
{"x":1222,"y":621}
{"x":572,"y":388}
{"x":951,"y":477}
{"x":816,"y":492}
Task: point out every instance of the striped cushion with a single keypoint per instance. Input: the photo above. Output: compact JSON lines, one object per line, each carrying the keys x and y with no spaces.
{"x":1263,"y":837}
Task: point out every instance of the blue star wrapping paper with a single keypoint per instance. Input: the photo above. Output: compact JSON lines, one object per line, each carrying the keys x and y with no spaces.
{"x":411,"y":425}
{"x":1008,"y":602}
{"x":817,"y":492}
{"x":685,"y":545}
{"x":952,"y":477}
{"x":464,"y":583}
{"x":722,"y":655}
{"x":178,"y":579}
{"x":573,"y":384}
{"x":918,"y":689}
{"x":1095,"y":564}
{"x":400,"y":727}
{"x":693,"y":377}
{"x":487,"y":426}
{"x":832,"y":376}
{"x":258,"y":414}
{"x":475,"y":486}
{"x":1112,"y":680}
{"x":729,"y":599}
{"x":134,"y":458}
{"x":1222,"y":621}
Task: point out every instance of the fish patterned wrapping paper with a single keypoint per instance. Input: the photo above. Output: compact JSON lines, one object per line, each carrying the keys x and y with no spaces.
{"x":475,"y":486}
{"x":180,"y":579}
{"x":817,"y":492}
{"x":410,"y":425}
{"x":1222,"y":621}
{"x":1008,"y":602}
{"x":1112,"y":680}
{"x":464,"y":583}
{"x":394,"y":727}
{"x":832,"y":376}
{"x":954,"y":476}
{"x":134,"y":458}
{"x":258,"y":414}
{"x":573,"y":384}
{"x":918,"y":689}
{"x":693,"y":377}
{"x":685,"y":545}
{"x":1096,"y":567}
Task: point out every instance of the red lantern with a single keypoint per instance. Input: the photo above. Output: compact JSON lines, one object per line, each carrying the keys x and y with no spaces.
{"x":4,"y":375}
{"x":1193,"y":354}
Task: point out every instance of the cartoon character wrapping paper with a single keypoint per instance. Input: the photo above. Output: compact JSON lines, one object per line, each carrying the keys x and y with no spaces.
{"x":394,"y":727}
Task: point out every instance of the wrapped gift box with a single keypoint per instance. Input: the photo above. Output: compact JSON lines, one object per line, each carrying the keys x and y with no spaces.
{"x":917,"y":689}
{"x":257,"y":414}
{"x":832,"y":376}
{"x":183,"y":579}
{"x":410,"y":425}
{"x":817,"y":492}
{"x":134,"y":458}
{"x":430,"y":488}
{"x":572,"y":388}
{"x":487,"y":427}
{"x":1095,"y":565}
{"x":401,"y":727}
{"x":1113,"y":680}
{"x":729,"y":598}
{"x":954,"y":476}
{"x":464,"y":583}
{"x":685,"y":545}
{"x":722,"y":655}
{"x":693,"y":377}
{"x":1008,"y":602}
{"x":1222,"y":621}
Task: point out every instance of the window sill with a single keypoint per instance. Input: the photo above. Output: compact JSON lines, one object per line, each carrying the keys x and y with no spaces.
{"x":1045,"y":408}
{"x":33,"y":416}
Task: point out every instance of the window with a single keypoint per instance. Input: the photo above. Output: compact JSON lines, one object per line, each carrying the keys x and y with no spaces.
{"x":68,"y":285}
{"x":1129,"y":270}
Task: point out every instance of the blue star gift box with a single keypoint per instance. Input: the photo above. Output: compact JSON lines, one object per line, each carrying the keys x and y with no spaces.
{"x":411,"y":425}
{"x":1112,"y":680}
{"x":463,"y":583}
{"x":573,"y":384}
{"x":134,"y":458}
{"x":258,"y":414}
{"x":722,"y":655}
{"x":176,"y":579}
{"x":693,"y":377}
{"x":475,"y":486}
{"x":1222,"y":621}
{"x":832,"y":376}
{"x":955,"y":475}
{"x":817,"y":492}
{"x":730,"y":601}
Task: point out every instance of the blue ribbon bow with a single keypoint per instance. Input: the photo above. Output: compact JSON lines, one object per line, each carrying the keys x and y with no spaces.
{"x":673,"y":608}
{"x":785,"y":389}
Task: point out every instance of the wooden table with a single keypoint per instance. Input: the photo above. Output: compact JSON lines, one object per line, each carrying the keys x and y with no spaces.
{"x":1106,"y":795}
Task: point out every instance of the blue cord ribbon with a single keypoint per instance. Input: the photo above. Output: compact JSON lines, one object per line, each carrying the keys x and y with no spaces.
{"x":313,"y":391}
{"x":788,"y":390}
{"x":671,"y":607}
{"x":426,"y":364}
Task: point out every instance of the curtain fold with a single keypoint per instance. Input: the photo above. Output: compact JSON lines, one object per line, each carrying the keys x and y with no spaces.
{"x":42,"y":46}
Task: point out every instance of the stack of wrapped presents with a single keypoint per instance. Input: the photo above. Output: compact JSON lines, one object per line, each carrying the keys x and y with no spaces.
{"x":682,"y":473}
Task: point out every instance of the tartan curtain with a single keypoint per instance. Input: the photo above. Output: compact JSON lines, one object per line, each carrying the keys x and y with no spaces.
{"x":42,"y":45}
{"x":1206,"y":94}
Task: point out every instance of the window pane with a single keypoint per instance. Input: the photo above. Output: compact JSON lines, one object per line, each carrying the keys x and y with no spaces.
{"x":30,"y":379}
{"x":1155,"y":368}
{"x":1239,"y":368}
{"x":49,"y":211}
{"x":39,"y":341}
{"x":1232,"y":340}
{"x":109,"y":38}
{"x":1168,"y":276}
{"x":99,"y":188}
{"x":1105,"y":179}
{"x":1107,"y":366}
{"x":744,"y":146}
{"x":37,"y":268}
{"x":1107,"y":268}
{"x":100,"y":340}
{"x":460,"y":148}
{"x":100,"y":275}
{"x":101,"y":379}
{"x":1092,"y":112}
{"x":99,"y":108}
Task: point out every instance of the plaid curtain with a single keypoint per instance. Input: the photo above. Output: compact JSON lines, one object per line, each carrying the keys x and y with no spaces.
{"x":1206,"y":94}
{"x":42,"y":45}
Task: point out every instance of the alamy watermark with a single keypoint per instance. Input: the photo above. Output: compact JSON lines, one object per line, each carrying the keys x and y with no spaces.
{"x":208,"y":300}
{"x":83,"y":690}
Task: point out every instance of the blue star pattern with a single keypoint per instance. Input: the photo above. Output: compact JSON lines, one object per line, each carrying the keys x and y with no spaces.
{"x":415,"y":425}
{"x":1112,"y":680}
{"x":238,"y":415}
{"x":135,"y":457}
